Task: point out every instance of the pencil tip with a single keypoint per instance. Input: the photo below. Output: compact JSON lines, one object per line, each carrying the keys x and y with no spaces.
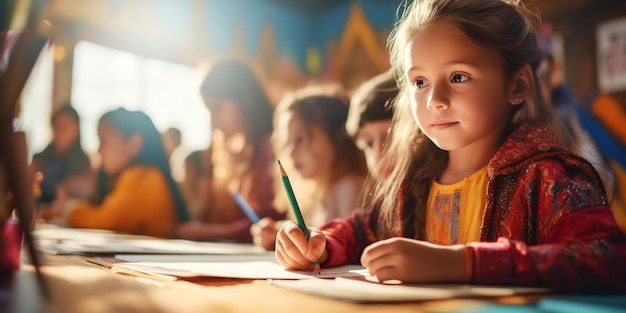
{"x":316,"y":268}
{"x":282,"y":170}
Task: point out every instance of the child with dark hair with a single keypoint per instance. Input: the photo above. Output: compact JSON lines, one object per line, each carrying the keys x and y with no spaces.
{"x":135,"y":192}
{"x":63,"y":162}
{"x":369,"y":118}
{"x":241,"y":156}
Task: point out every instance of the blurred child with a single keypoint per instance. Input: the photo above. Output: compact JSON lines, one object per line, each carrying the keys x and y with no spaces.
{"x":172,"y":138}
{"x":322,"y":153}
{"x":481,"y":190}
{"x":190,"y":186}
{"x":135,"y":192}
{"x":63,"y":162}
{"x":369,"y":118}
{"x":241,"y":158}
{"x":572,"y":133}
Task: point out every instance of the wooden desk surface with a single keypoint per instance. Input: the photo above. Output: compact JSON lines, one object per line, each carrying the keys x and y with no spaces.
{"x":77,"y":286}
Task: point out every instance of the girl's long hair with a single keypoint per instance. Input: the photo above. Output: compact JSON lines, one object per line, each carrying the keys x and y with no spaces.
{"x":232,"y":79}
{"x":152,"y":153}
{"x":416,"y":161}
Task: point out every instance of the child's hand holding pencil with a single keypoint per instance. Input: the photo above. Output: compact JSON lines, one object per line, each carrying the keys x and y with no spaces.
{"x":288,"y":238}
{"x":294,"y":252}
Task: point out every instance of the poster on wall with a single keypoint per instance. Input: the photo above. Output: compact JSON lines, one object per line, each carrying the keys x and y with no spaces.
{"x":611,"y":55}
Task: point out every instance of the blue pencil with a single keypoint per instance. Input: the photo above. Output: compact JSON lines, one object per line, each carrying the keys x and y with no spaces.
{"x":246,"y":208}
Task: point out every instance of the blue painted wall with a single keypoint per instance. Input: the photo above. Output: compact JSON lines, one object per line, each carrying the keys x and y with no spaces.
{"x":295,"y":31}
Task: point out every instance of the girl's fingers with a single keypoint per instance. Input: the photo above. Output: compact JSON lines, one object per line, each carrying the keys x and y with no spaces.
{"x":290,"y":251}
{"x":291,"y":231}
{"x":373,"y":261}
{"x":280,"y":256}
{"x":374,"y":251}
{"x":255,"y":230}
{"x":266,"y":222}
{"x":386,"y":273}
{"x":316,"y":246}
{"x":288,"y":256}
{"x":267,"y":238}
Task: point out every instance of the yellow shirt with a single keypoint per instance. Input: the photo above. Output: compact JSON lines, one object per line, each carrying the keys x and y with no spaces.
{"x":455,"y":211}
{"x":139,"y":203}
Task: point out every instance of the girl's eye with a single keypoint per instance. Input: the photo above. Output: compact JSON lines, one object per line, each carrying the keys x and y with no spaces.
{"x":458,"y":78}
{"x":420,"y":83}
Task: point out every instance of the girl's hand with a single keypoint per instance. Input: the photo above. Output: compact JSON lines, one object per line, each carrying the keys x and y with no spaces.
{"x":414,"y":261}
{"x":294,"y":252}
{"x":264,"y":233}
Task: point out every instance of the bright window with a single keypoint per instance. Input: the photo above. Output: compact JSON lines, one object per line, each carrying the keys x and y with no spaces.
{"x":105,"y":79}
{"x":36,"y":103}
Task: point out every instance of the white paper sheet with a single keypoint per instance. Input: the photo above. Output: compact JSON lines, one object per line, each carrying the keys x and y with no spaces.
{"x":244,"y":270}
{"x":358,"y":289}
{"x":97,"y":242}
{"x":196,"y":258}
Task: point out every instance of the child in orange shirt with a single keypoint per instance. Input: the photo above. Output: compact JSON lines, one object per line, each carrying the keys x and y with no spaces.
{"x":135,"y":192}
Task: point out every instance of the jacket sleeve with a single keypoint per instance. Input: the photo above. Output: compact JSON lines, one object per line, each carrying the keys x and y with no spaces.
{"x":577,"y":244}
{"x":347,"y":238}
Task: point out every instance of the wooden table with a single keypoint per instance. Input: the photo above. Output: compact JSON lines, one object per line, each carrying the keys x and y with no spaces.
{"x":78,"y":286}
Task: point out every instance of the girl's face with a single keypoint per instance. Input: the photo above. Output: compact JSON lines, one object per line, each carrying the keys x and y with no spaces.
{"x":311,"y":150}
{"x":225,"y":115}
{"x":460,"y":96}
{"x":64,"y":132}
{"x":116,"y":151}
{"x":371,"y":139}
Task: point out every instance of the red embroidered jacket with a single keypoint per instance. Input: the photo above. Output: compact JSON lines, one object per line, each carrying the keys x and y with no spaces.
{"x":546,"y":221}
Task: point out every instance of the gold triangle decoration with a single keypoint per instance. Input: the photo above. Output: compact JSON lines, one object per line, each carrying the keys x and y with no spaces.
{"x":359,"y":34}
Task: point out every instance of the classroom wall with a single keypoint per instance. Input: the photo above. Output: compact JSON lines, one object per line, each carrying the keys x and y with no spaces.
{"x":289,"y":43}
{"x":285,"y":41}
{"x":577,"y":25}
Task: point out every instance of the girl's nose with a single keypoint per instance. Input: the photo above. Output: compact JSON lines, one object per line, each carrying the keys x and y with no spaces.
{"x":438,"y":98}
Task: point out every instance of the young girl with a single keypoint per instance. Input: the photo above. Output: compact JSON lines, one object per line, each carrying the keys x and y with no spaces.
{"x":481,"y":191}
{"x":241,"y":158}
{"x":135,"y":192}
{"x":331,"y":166}
{"x":369,"y":118}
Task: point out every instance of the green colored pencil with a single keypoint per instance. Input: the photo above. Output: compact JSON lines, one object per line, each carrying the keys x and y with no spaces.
{"x":296,"y":209}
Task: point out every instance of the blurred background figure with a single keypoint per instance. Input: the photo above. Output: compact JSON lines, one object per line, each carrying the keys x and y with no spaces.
{"x":63,"y":162}
{"x":135,"y":192}
{"x":241,"y":158}
{"x":172,"y":139}
{"x":369,"y":118}
{"x":190,"y":185}
{"x":568,"y":111}
{"x":310,"y":130}
{"x":176,"y":152}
